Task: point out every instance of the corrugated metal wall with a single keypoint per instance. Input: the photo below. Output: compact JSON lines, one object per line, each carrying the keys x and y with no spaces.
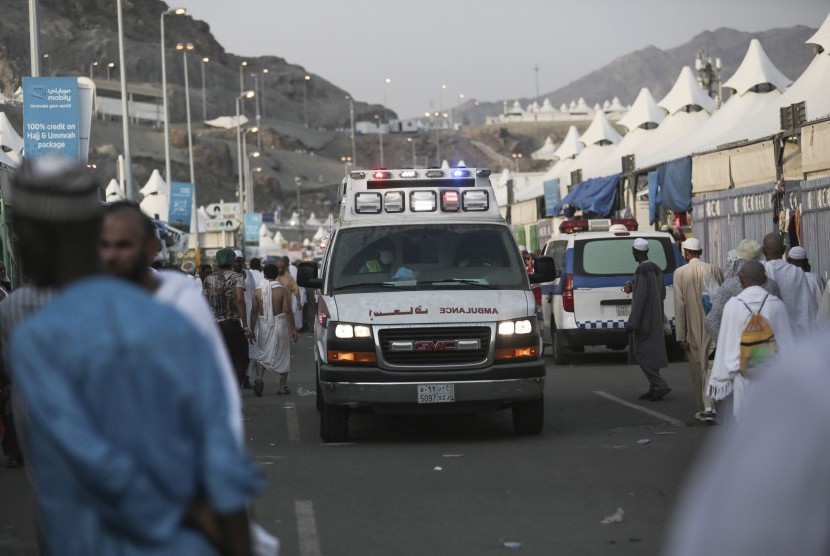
{"x":722,"y":219}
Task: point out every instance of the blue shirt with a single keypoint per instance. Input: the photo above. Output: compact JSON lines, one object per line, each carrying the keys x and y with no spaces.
{"x":128,"y":423}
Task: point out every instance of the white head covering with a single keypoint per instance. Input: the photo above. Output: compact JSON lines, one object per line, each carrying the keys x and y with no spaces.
{"x":692,"y":244}
{"x":238,"y":254}
{"x":641,"y":244}
{"x":798,"y":253}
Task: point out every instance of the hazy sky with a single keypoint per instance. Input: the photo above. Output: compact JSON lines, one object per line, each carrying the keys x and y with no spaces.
{"x":485,"y":49}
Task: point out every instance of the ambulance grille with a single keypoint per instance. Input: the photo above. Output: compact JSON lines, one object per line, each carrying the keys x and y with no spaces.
{"x":432,"y":339}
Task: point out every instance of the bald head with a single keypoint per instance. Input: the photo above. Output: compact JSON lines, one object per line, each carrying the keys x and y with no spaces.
{"x":752,"y":274}
{"x":773,"y":246}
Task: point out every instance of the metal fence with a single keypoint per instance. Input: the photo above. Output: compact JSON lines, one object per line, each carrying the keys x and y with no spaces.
{"x":722,"y":219}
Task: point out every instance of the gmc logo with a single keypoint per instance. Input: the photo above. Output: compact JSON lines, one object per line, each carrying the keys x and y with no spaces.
{"x":437,"y":345}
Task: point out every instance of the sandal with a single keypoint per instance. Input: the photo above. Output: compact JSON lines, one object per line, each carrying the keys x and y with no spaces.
{"x":258,"y":386}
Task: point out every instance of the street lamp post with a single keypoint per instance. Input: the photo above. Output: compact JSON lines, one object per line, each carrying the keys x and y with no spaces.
{"x":351,"y":119}
{"x":433,"y":116}
{"x":298,"y":182}
{"x":109,"y":68}
{"x":125,"y":109}
{"x":516,"y":158}
{"x":167,"y":173}
{"x":262,"y":92}
{"x":346,"y":160}
{"x":184,"y":48}
{"x":412,"y":142}
{"x":244,"y":95}
{"x":92,"y":65}
{"x":380,"y":138}
{"x":247,"y":201}
{"x":386,"y":82}
{"x":242,"y":66}
{"x":205,"y":60}
{"x":306,"y":79}
{"x":256,"y":105}
{"x":48,"y":64}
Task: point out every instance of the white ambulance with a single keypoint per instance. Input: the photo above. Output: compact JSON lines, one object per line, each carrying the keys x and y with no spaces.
{"x":424,"y":303}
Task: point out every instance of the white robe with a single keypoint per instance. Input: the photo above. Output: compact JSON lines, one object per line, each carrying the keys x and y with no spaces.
{"x":272,"y":348}
{"x":726,"y":376}
{"x":796,"y":293}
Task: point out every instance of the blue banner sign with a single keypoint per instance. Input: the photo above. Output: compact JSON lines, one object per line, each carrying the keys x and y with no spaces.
{"x":51,"y":122}
{"x":253,"y":222}
{"x":551,"y":195}
{"x":181,"y":205}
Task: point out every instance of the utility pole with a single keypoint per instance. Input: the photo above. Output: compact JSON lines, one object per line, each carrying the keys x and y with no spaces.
{"x":125,"y":111}
{"x":536,"y":70}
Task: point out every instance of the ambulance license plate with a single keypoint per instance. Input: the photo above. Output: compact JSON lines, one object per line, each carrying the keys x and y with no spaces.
{"x":623,"y":310}
{"x":436,"y":393}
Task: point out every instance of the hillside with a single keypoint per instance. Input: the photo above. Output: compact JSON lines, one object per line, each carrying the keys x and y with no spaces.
{"x":657,"y":69}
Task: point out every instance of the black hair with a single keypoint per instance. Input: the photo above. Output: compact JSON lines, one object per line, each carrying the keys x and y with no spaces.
{"x":271,"y":271}
{"x":255,"y":264}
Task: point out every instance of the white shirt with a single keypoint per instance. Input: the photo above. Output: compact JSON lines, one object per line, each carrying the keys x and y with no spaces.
{"x":177,"y":290}
{"x":796,"y":293}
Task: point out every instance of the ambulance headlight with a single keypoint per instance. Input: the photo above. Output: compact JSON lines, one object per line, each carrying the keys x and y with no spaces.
{"x":511,"y":327}
{"x":347,"y":331}
{"x":475,"y":201}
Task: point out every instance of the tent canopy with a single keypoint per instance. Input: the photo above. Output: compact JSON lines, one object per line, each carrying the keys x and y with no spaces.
{"x":571,"y":146}
{"x":686,"y":92}
{"x":644,"y":112}
{"x":600,"y":132}
{"x":594,"y":196}
{"x":756,"y":69}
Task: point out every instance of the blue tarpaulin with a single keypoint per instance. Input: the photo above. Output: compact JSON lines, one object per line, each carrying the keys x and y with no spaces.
{"x":653,"y":196}
{"x":676,"y":185}
{"x":594,"y":196}
{"x":552,"y":195}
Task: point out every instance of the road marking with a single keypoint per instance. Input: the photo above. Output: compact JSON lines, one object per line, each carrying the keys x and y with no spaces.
{"x":662,"y":416}
{"x":292,"y":422}
{"x":307,"y":528}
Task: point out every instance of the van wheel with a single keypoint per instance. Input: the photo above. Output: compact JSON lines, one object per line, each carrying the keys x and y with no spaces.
{"x":319,"y":400}
{"x":529,"y":416}
{"x":561,"y":351}
{"x":334,"y":422}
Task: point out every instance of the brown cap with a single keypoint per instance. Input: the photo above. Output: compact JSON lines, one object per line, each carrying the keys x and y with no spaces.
{"x":55,"y":189}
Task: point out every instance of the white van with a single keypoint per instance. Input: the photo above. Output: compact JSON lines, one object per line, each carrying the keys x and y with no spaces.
{"x":585,"y":305}
{"x":424,"y":303}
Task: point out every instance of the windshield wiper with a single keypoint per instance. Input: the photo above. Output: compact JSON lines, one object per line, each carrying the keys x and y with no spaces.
{"x":462,"y":281}
{"x":368,"y":285}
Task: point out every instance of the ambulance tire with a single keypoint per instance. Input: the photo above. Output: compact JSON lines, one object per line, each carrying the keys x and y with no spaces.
{"x":561,"y":350}
{"x":529,"y":416}
{"x":334,"y":423}
{"x":319,"y":398}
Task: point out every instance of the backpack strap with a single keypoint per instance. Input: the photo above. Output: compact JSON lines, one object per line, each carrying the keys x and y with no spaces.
{"x":759,"y":308}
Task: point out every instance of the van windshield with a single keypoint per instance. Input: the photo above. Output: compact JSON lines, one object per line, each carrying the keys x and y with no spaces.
{"x":612,"y":256}
{"x":446,"y":256}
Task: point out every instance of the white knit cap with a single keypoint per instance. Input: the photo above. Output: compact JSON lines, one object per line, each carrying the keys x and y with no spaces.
{"x":641,"y":244}
{"x":238,"y":254}
{"x":692,"y":244}
{"x":797,"y":253}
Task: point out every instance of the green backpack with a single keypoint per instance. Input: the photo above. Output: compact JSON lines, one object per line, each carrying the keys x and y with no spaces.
{"x":758,"y":343}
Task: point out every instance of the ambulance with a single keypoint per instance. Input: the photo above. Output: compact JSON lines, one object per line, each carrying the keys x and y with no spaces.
{"x":424,"y":303}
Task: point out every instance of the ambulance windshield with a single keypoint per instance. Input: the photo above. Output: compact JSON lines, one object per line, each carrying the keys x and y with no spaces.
{"x":453,"y":256}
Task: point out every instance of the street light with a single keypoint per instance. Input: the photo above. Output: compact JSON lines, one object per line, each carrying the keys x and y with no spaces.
{"x":262,"y":92}
{"x":184,"y":49}
{"x":205,"y":60}
{"x":239,"y":99}
{"x":256,"y":106}
{"x":409,"y":140}
{"x":346,"y":160}
{"x":242,"y":66}
{"x":298,"y":182}
{"x":351,"y":119}
{"x":380,"y":139}
{"x":306,"y":79}
{"x":48,"y":64}
{"x":386,"y":82}
{"x":516,"y":158}
{"x":92,"y":65}
{"x":167,"y":172}
{"x":432,"y":117}
{"x":109,"y":68}
{"x":247,"y":200}
{"x":125,"y":107}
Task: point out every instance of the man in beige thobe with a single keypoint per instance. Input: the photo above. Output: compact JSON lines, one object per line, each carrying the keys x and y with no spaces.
{"x":691,"y":322}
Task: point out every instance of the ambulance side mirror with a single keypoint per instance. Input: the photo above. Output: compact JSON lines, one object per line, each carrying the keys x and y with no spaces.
{"x":307,"y":276}
{"x":544,"y":271}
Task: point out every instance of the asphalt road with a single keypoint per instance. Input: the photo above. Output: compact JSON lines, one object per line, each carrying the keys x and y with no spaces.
{"x":463,"y":485}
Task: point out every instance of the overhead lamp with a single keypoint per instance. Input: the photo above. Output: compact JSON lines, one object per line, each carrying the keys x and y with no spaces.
{"x":183,"y":46}
{"x":176,"y":11}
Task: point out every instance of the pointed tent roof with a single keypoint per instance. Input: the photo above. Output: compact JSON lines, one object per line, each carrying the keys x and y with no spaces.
{"x":8,"y":136}
{"x":546,"y":152}
{"x":156,"y":206}
{"x":812,"y":87}
{"x":571,"y":146}
{"x":516,"y":108}
{"x":563,"y":107}
{"x":600,"y":131}
{"x":279,"y":239}
{"x":617,"y":106}
{"x":822,"y":36}
{"x":267,"y":244}
{"x":673,"y":129}
{"x":445,"y":165}
{"x":756,"y":69}
{"x":319,"y":234}
{"x":606,"y":105}
{"x":114,"y":192}
{"x":533,"y":107}
{"x":461,"y":164}
{"x":547,"y":106}
{"x":581,"y":106}
{"x":643,"y":111}
{"x":686,"y":91}
{"x":155,"y":184}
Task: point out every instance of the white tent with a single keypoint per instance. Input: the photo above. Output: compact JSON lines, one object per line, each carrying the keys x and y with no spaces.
{"x":267,"y":245}
{"x":688,"y":107}
{"x":279,"y":239}
{"x":516,"y":109}
{"x":226,"y":122}
{"x":319,"y":235}
{"x":114,"y":192}
{"x":642,"y":121}
{"x":756,"y":84}
{"x":581,"y":107}
{"x":313,"y":221}
{"x":156,"y":205}
{"x":155,"y":184}
{"x":566,"y":153}
{"x":599,"y":139}
{"x":8,"y":136}
{"x":813,"y":85}
{"x":616,"y":106}
{"x":546,"y":152}
{"x":547,"y":107}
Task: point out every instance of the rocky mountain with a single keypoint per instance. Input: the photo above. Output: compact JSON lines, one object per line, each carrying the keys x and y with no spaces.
{"x":657,"y":69}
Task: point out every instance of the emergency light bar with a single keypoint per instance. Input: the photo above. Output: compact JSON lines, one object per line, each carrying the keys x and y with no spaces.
{"x":471,"y":200}
{"x":596,"y":225}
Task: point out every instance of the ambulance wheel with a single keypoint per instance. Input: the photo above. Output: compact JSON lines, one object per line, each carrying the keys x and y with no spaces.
{"x":319,"y":398}
{"x":529,"y":416}
{"x":334,"y":423}
{"x":561,"y":351}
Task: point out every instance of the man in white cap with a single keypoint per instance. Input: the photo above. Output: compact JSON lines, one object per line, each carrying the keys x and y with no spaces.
{"x":801,"y":302}
{"x":690,"y":322}
{"x":647,"y":341}
{"x":798,"y":257}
